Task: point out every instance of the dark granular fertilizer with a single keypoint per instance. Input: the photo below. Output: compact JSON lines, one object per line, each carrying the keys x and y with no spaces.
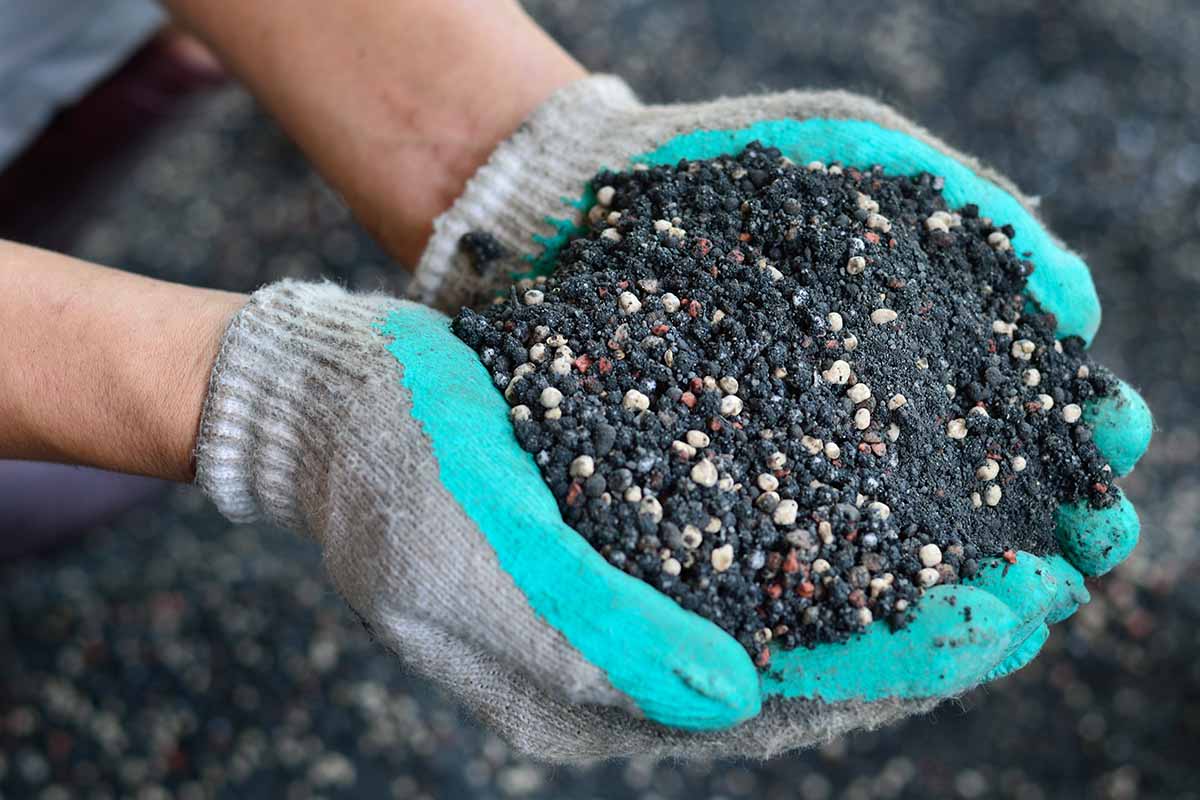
{"x":792,"y":398}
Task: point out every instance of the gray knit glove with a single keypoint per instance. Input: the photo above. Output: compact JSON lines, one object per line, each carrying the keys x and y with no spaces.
{"x":362,"y":421}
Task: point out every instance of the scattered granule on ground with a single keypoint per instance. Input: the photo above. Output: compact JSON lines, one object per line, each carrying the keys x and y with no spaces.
{"x":793,"y":397}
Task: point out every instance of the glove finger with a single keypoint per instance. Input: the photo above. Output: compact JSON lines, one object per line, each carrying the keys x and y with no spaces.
{"x":1060,"y":282}
{"x":957,"y":636}
{"x":1037,"y":589}
{"x":1030,"y":588}
{"x":1072,"y":593}
{"x":1097,"y":539}
{"x":676,"y":667}
{"x":1121,"y":427}
{"x":1027,"y":586}
{"x":1022,"y":654}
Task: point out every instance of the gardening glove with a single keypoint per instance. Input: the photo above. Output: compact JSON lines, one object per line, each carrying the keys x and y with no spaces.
{"x":530,"y":196}
{"x":362,"y":421}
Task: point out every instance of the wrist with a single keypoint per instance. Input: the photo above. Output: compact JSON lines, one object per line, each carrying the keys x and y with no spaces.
{"x":149,"y":379}
{"x":175,"y":391}
{"x":444,"y":132}
{"x":101,"y":367}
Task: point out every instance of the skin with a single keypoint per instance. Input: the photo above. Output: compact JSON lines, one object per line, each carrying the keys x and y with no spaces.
{"x":397,"y":104}
{"x":101,"y":367}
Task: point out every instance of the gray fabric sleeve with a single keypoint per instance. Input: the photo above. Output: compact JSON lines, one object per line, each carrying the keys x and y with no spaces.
{"x":53,"y":51}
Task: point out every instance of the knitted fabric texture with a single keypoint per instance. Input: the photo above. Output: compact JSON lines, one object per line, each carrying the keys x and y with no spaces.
{"x":307,"y":425}
{"x":597,"y":123}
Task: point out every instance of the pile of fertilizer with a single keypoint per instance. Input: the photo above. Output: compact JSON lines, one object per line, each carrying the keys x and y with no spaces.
{"x":792,"y":398}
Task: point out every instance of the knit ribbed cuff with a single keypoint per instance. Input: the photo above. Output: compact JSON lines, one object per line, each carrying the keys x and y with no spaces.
{"x":555,"y":151}
{"x":288,"y":363}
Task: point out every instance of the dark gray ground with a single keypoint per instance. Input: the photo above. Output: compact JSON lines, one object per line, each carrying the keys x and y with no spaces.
{"x":172,"y":653}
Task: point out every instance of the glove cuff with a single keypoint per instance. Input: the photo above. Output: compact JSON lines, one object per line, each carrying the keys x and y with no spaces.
{"x":288,"y":365}
{"x":562,"y":144}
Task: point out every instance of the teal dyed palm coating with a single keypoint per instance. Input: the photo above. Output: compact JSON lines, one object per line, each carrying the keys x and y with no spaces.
{"x":1097,"y":539}
{"x":1122,"y":427}
{"x":1072,"y":592}
{"x":680,"y":669}
{"x":1038,"y":591}
{"x":939,"y":653}
{"x":1028,"y":587}
{"x":958,"y":637}
{"x":1021,"y":655}
{"x":1060,"y":281}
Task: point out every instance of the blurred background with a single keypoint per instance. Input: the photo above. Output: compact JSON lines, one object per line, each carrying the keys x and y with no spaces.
{"x":167,"y":653}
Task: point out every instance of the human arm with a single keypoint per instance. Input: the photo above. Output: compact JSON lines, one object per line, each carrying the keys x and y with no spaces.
{"x":102,"y":367}
{"x":397,"y":103}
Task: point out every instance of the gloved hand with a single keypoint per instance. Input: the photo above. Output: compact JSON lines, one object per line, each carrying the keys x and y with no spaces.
{"x":363,"y":421}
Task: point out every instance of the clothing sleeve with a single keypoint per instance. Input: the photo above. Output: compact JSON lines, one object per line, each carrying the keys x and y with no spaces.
{"x":53,"y":51}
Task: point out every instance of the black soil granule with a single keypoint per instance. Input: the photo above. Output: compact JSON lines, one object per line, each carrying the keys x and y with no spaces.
{"x":791,"y":397}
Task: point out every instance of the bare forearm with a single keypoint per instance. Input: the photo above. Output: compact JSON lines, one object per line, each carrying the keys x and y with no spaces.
{"x":101,"y":367}
{"x":397,"y":103}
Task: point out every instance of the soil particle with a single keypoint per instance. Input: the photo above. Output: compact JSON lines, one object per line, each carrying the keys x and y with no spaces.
{"x":804,"y":396}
